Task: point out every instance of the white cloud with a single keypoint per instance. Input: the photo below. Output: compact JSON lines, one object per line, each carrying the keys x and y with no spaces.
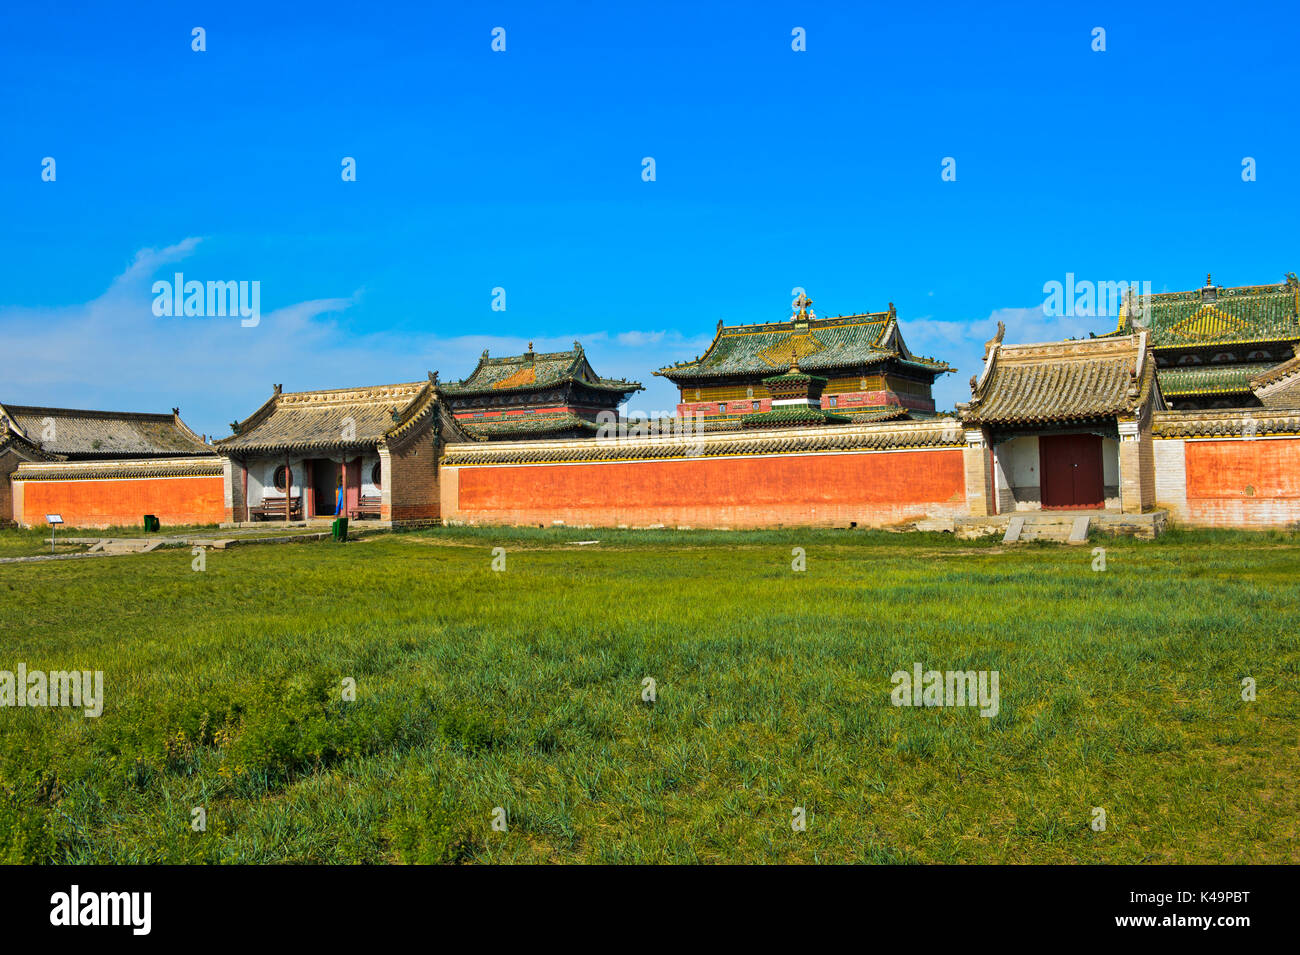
{"x":114,"y":353}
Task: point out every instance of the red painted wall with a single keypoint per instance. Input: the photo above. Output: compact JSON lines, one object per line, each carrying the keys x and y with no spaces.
{"x":1240,"y":483}
{"x":175,"y":500}
{"x":825,"y":489}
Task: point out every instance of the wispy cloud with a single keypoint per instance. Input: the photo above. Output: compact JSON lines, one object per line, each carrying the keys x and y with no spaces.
{"x":113,"y":352}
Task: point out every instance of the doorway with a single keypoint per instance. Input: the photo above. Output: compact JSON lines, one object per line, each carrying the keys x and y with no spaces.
{"x":1071,"y":470}
{"x":325,"y":482}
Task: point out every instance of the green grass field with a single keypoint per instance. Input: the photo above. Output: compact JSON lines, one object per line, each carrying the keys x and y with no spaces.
{"x":522,"y":689}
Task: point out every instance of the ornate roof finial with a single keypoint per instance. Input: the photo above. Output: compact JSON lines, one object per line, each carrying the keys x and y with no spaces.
{"x":891,"y":310}
{"x":802,"y":306}
{"x":277,"y":388}
{"x":1208,"y":282}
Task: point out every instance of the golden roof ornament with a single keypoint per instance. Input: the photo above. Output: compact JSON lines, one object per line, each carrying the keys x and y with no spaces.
{"x":803,"y":308}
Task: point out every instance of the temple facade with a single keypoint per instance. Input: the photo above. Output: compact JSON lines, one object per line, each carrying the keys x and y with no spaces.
{"x":871,"y":374}
{"x":1219,"y":347}
{"x":361,"y":452}
{"x":1063,"y":426}
{"x":546,"y":395}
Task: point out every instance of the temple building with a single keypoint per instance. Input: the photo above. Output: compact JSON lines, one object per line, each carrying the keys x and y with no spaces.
{"x":378,"y":447}
{"x":1217,"y":347}
{"x":57,"y":460}
{"x":795,"y":402}
{"x":546,"y":395}
{"x":870,"y":373}
{"x":1062,"y":425}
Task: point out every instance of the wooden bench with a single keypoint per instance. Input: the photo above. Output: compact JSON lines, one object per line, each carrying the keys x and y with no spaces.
{"x":275,"y":509}
{"x":369,"y":504}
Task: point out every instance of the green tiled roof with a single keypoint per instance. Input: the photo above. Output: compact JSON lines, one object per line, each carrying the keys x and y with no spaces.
{"x":1212,"y":315}
{"x":533,"y":370}
{"x":818,"y":344}
{"x":1209,"y":379}
{"x":780,"y":417}
{"x":528,"y":426}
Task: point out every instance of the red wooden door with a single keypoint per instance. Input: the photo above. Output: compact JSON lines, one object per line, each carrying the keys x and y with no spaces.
{"x":1071,"y":469}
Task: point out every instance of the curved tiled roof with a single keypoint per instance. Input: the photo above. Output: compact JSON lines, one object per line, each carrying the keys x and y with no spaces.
{"x":527,"y":425}
{"x":1210,"y":379}
{"x":344,"y":418}
{"x":80,"y":434}
{"x":796,"y":415}
{"x":205,"y":466}
{"x":1063,"y":381}
{"x":1212,"y":315}
{"x":844,"y":437}
{"x":533,"y":370}
{"x":1224,"y":424}
{"x":818,"y":344}
{"x":1275,"y":373}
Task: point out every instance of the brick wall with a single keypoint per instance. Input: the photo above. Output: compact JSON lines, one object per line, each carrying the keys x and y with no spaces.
{"x":1171,"y":476}
{"x":1243,"y":482}
{"x":8,"y":462}
{"x":413,"y":494}
{"x":863,"y":487}
{"x":124,"y":501}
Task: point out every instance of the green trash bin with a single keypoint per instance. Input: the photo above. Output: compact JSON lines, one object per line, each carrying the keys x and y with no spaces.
{"x":151,"y":523}
{"x":340,"y":527}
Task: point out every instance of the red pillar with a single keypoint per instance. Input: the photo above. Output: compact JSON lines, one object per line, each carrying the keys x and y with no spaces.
{"x":308,"y":490}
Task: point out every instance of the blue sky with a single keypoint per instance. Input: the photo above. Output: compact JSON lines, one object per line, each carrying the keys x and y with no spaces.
{"x":522,"y":170}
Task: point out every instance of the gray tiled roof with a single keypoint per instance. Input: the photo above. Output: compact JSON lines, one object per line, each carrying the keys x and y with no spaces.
{"x":1062,"y":381}
{"x":338,"y":418}
{"x":79,"y":434}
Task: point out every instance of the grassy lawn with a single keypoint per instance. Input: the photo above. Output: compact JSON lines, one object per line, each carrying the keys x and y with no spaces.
{"x":522,"y":689}
{"x":35,"y":541}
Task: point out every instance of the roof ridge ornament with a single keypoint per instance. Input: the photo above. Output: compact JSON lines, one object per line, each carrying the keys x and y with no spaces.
{"x":995,"y":340}
{"x":802,"y":308}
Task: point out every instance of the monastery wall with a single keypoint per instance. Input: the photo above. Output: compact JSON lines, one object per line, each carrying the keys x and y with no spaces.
{"x":119,"y":493}
{"x":868,"y":475}
{"x":1229,"y":468}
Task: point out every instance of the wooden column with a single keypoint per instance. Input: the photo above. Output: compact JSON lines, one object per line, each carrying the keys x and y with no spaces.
{"x":308,"y":490}
{"x":288,"y":489}
{"x":343,"y":490}
{"x":243,"y":481}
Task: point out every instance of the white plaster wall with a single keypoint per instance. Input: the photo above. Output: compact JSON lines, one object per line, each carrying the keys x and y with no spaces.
{"x":1017,"y":475}
{"x":261,"y":480}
